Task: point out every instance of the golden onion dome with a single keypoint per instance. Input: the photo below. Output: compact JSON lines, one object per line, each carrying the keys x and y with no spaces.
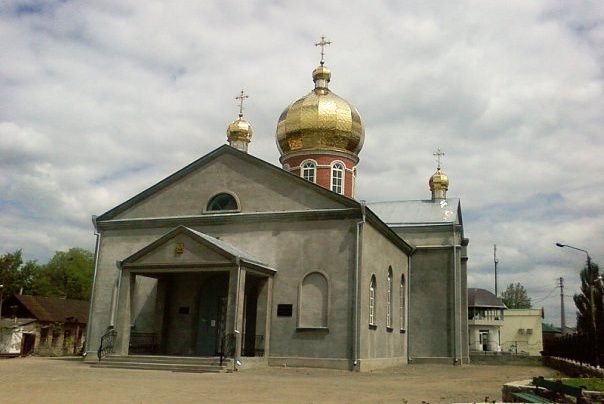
{"x":320,"y":121}
{"x":239,"y":130}
{"x":439,"y":181}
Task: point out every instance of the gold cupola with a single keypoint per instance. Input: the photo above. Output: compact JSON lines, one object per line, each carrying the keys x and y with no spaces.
{"x":320,"y":121}
{"x":239,"y":132}
{"x":439,"y":181}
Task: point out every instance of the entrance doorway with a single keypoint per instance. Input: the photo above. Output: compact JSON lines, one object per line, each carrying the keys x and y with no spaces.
{"x":29,"y":341}
{"x":186,"y":314}
{"x":211,"y":324}
{"x":484,"y":339}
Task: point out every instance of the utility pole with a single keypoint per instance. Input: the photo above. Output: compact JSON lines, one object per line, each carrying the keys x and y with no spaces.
{"x":496,"y":261}
{"x":562,"y":316}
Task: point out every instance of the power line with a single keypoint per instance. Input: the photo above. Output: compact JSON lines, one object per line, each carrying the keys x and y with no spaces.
{"x":545,"y":297}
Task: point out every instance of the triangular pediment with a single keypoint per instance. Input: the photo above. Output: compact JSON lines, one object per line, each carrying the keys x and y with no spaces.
{"x":185,"y":247}
{"x":257,"y":185}
{"x":179,"y":247}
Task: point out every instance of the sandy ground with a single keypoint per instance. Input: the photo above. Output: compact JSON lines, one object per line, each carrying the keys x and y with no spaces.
{"x":26,"y":380}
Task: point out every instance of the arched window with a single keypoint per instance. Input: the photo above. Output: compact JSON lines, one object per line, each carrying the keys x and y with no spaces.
{"x":308,"y":171}
{"x":389,"y":300}
{"x":372,"y":288}
{"x":314,"y":297}
{"x":222,"y":201}
{"x":402,"y":302}
{"x":337,"y":178}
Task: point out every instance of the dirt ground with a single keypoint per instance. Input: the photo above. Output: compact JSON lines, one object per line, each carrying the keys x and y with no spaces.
{"x":26,"y":380}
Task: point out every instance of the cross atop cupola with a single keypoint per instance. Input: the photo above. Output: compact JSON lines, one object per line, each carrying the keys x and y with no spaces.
{"x":323,"y":43}
{"x":438,"y":154}
{"x":241,"y":97}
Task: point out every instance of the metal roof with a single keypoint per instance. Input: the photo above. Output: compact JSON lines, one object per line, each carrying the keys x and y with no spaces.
{"x":416,"y":212}
{"x":483,"y":298}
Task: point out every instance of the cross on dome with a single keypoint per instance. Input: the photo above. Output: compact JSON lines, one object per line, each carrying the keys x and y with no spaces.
{"x":241,"y":97}
{"x":438,"y":155}
{"x":322,"y":43}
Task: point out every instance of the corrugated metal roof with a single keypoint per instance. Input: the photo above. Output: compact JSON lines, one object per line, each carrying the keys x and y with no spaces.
{"x":416,"y":212}
{"x":55,"y":308}
{"x":483,"y":298}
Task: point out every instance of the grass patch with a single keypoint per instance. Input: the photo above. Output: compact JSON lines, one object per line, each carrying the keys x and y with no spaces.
{"x":588,"y":383}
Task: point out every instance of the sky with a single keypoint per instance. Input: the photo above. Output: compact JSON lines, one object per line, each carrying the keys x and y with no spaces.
{"x":101,"y":99}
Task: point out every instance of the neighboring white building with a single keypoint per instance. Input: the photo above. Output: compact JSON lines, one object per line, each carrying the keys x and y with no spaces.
{"x":492,"y":327}
{"x":521,"y":332}
{"x":485,"y":320}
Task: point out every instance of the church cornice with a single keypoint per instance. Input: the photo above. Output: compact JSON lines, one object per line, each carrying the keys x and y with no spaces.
{"x":226,"y":218}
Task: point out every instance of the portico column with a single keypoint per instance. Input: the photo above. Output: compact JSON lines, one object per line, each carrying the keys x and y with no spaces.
{"x":265,"y":295}
{"x":235,"y":307}
{"x":124,"y":307}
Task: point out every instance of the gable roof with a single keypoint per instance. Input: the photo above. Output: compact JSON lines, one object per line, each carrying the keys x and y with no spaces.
{"x":222,"y":247}
{"x":483,"y":298}
{"x":55,"y":309}
{"x":417,"y":212}
{"x":202,"y":161}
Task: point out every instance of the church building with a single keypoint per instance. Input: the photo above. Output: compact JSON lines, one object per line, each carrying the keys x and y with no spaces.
{"x":281,"y":266}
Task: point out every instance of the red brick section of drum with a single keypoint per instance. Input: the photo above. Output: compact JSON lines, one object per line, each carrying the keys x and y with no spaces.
{"x":324,"y":173}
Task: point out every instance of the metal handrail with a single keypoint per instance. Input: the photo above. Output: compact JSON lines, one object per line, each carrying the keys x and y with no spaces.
{"x":227,"y":347}
{"x":107,"y":343}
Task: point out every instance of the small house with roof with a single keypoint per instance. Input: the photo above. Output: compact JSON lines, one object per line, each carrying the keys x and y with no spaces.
{"x":43,"y":325}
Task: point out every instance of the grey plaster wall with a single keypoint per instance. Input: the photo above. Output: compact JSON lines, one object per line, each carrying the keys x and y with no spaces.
{"x":294,"y":248}
{"x":115,"y":245}
{"x":438,"y":292}
{"x":379,"y":254}
{"x":258,"y":190}
{"x":427,"y":235}
{"x":143,"y":310}
{"x":431,"y":317}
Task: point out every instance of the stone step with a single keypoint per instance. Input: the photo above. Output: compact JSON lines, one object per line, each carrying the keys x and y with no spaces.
{"x":160,"y":362}
{"x":172,"y":367}
{"x":167,"y":359}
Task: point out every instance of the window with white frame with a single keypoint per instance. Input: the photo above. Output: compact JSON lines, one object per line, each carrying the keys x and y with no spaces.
{"x":389,"y":300}
{"x":337,"y":178}
{"x":402,"y":302}
{"x":309,"y":171}
{"x":372,"y":301}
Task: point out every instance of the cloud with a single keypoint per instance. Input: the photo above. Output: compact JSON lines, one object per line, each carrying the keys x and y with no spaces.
{"x":103,"y":99}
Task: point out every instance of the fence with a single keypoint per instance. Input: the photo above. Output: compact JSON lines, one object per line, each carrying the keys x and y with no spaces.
{"x":578,"y":347}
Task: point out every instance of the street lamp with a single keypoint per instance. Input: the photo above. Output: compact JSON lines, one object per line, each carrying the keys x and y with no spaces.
{"x":591,"y":296}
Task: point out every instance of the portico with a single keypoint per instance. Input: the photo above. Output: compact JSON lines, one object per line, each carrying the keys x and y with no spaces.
{"x":204,"y":297}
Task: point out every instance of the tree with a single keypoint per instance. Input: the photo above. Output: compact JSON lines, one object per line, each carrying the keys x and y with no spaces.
{"x":17,"y":276}
{"x":515,"y":297}
{"x":591,"y":287}
{"x":68,"y":274}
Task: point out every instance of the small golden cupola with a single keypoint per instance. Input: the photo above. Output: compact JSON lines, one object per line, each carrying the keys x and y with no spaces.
{"x":439,"y":181}
{"x":320,"y":135}
{"x":239,"y":132}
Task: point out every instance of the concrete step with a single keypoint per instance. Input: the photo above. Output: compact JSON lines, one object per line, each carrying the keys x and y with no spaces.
{"x":169,"y":363}
{"x":191,"y":360}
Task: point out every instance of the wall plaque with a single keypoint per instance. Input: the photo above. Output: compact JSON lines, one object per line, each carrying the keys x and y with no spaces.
{"x":284,"y":310}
